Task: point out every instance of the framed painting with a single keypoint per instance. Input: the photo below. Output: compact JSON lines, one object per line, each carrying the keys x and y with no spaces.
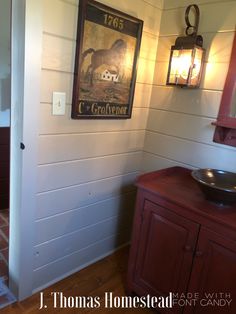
{"x":108,"y":43}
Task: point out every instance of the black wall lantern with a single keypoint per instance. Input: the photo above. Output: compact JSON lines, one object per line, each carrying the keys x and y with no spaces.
{"x":186,"y":56}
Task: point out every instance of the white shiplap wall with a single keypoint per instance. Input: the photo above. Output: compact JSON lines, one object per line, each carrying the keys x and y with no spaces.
{"x":86,"y":168}
{"x":179,"y":130}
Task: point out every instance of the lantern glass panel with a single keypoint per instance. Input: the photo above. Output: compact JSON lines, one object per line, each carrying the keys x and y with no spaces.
{"x":185,"y":66}
{"x":179,"y":67}
{"x":196,"y":67}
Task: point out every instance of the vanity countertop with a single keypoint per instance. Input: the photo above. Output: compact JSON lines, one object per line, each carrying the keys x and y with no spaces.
{"x":177,"y":186}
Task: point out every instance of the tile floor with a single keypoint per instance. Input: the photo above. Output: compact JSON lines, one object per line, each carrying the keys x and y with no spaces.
{"x":6,"y":297}
{"x":4,"y":236}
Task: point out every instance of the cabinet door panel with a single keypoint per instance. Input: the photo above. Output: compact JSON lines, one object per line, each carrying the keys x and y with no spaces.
{"x":214,"y":273}
{"x":164,"y":258}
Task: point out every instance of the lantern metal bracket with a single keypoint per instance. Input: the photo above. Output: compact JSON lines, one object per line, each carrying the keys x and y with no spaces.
{"x":191,"y":30}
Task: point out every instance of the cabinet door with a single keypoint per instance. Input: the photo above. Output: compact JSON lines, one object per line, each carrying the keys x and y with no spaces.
{"x":214,"y":274}
{"x":165,"y":253}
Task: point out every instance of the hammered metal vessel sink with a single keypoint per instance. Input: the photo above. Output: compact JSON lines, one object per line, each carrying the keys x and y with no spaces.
{"x":217,"y":185}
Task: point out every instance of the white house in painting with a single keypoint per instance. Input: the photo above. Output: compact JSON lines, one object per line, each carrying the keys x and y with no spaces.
{"x":110,"y":76}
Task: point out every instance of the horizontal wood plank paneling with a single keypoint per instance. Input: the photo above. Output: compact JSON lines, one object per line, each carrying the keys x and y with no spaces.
{"x":170,"y":4}
{"x":49,"y":124}
{"x":211,"y":71}
{"x":154,"y":162}
{"x":54,"y":176}
{"x":69,"y":264}
{"x":86,"y":167}
{"x":65,"y":199}
{"x":222,"y":13}
{"x":58,"y":53}
{"x":146,"y":70}
{"x":191,"y":153}
{"x":127,"y":6}
{"x":59,"y":225}
{"x":56,"y":81}
{"x":142,"y":95}
{"x":79,"y":239}
{"x":148,"y":47}
{"x":182,"y":125}
{"x":197,"y":102}
{"x":74,"y":2}
{"x":151,"y":15}
{"x":64,"y":21}
{"x":156,"y":3}
{"x":54,"y":148}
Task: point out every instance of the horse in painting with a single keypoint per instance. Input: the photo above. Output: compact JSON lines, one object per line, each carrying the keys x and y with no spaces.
{"x":111,"y":57}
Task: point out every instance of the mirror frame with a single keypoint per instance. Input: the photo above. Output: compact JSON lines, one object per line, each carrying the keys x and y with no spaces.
{"x":225,"y":132}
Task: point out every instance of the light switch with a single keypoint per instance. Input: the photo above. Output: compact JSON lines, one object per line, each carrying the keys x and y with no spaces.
{"x":58,"y":103}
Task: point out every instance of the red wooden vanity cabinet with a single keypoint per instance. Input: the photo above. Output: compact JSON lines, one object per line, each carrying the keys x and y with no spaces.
{"x":182,"y":243}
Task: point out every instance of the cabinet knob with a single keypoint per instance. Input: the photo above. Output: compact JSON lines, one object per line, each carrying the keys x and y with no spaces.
{"x":187,"y":248}
{"x":199,"y":253}
{"x":22,"y":146}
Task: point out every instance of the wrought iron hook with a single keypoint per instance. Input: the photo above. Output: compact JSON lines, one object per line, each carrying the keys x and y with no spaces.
{"x":190,"y":27}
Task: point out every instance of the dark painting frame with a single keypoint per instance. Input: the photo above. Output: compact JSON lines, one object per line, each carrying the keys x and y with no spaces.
{"x":107,"y":49}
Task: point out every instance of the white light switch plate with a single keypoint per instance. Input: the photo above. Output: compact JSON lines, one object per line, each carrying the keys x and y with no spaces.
{"x":58,"y":103}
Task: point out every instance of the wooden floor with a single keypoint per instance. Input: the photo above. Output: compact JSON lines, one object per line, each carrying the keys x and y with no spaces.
{"x":107,"y":275}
